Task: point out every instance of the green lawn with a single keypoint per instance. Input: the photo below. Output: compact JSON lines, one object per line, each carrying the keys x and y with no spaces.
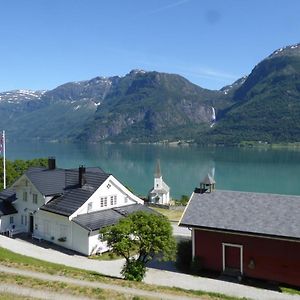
{"x":12,"y":259}
{"x":172,"y":215}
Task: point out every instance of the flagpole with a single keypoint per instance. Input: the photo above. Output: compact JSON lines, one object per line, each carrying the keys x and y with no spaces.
{"x":4,"y":166}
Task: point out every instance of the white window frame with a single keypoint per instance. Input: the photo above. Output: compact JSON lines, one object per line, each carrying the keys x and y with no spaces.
{"x":25,"y":196}
{"x":115,"y":200}
{"x":224,"y":245}
{"x":103,"y":201}
{"x":90,"y":206}
{"x":34,"y":198}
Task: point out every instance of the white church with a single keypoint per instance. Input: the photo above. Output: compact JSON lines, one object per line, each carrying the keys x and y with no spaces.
{"x":160,"y":193}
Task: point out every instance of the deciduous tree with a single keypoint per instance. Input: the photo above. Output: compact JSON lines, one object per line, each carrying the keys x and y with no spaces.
{"x":145,"y":235}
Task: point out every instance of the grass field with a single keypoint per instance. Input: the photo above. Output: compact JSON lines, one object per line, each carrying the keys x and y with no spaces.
{"x":61,"y":287}
{"x":172,"y":215}
{"x":12,"y":259}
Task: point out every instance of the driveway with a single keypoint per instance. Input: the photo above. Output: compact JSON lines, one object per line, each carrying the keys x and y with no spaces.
{"x":153,"y":276}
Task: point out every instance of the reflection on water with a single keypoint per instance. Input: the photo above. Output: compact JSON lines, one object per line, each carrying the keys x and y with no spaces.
{"x":275,"y":171}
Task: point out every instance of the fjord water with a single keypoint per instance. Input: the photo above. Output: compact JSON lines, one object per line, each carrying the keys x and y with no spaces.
{"x":244,"y":169}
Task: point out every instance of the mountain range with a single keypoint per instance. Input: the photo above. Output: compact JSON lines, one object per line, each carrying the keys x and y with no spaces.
{"x":155,"y":107}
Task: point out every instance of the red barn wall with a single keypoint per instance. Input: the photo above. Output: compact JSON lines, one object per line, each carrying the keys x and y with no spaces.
{"x":274,"y":260}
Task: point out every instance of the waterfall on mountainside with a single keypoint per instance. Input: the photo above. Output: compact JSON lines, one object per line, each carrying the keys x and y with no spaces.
{"x":213,"y":116}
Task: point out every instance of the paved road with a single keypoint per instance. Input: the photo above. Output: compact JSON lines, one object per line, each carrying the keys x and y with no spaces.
{"x":153,"y":276}
{"x":180,"y":231}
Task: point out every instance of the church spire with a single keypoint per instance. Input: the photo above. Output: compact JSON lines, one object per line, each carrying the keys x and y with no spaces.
{"x":157,"y":170}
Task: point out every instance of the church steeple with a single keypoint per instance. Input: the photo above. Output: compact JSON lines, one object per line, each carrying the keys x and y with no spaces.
{"x":160,"y":194}
{"x":157,"y":170}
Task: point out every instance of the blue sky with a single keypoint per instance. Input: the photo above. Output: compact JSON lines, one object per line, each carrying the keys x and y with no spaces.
{"x":45,"y":43}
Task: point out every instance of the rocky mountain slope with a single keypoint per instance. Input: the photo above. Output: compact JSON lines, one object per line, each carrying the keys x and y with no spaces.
{"x":139,"y":107}
{"x":267,"y":105}
{"x":151,"y":106}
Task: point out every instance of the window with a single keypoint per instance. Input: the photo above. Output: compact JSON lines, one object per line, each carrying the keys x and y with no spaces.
{"x":103,"y":201}
{"x":90,"y":206}
{"x":126,"y":199}
{"x":25,"y":196}
{"x":11,"y":220}
{"x":34,"y":198}
{"x":111,"y":200}
{"x":22,"y":219}
{"x":115,"y":200}
{"x":108,"y":186}
{"x":46,"y":228}
{"x":63,"y":230}
{"x":25,"y":221}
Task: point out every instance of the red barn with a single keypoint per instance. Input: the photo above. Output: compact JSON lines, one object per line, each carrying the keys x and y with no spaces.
{"x":249,"y":234}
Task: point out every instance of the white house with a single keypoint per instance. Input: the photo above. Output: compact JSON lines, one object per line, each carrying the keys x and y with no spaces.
{"x":66,"y":206}
{"x":160,"y":193}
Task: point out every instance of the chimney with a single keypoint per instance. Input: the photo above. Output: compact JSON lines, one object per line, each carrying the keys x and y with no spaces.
{"x":81,"y":173}
{"x":51,"y":163}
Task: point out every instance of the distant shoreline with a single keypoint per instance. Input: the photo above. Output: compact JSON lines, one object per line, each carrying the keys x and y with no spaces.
{"x":179,"y":143}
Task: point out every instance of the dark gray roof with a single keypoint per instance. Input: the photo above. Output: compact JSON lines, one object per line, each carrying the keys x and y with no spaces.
{"x":255,"y":213}
{"x":72,"y":196}
{"x":99,"y":219}
{"x":48,"y":182}
{"x":69,"y":202}
{"x":6,"y":208}
{"x":55,"y":182}
{"x":8,"y":195}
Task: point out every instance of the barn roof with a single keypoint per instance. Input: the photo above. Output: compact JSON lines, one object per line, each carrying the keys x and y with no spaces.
{"x":244,"y":212}
{"x":99,"y":219}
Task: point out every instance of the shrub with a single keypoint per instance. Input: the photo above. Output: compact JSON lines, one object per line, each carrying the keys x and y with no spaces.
{"x":184,"y":255}
{"x":134,"y":270}
{"x":196,"y":265}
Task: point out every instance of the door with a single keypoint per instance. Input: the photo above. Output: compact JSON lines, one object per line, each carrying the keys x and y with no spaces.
{"x":233,"y":258}
{"x":31,"y":223}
